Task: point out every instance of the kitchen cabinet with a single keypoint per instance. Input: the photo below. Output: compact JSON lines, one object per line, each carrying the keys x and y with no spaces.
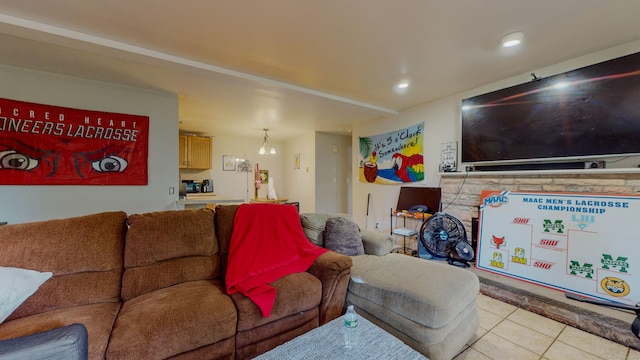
{"x":195,"y":152}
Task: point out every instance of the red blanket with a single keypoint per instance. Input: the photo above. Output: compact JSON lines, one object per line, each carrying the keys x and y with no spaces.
{"x":267,"y":243}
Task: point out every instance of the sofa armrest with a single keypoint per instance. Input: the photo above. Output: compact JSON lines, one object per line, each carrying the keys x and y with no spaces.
{"x":334,"y":271}
{"x":376,"y":243}
{"x":65,"y":343}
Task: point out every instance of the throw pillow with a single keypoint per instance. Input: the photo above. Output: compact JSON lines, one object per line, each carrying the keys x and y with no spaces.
{"x":343,"y":236}
{"x":313,"y":225}
{"x":16,"y":285}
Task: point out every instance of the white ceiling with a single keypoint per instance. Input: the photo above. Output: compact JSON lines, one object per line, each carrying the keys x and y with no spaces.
{"x":292,"y":65}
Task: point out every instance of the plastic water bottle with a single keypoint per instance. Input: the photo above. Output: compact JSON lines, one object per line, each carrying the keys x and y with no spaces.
{"x":350,"y":328}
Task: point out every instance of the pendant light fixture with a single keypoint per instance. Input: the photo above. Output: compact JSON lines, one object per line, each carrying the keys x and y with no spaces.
{"x":266,"y":148}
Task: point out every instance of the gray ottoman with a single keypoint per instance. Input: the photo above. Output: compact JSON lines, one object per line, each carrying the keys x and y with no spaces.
{"x":429,"y":305}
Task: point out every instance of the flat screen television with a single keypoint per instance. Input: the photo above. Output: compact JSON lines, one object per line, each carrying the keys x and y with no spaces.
{"x":586,"y":113}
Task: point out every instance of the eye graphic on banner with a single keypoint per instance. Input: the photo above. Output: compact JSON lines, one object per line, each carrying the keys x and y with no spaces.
{"x":50,"y":145}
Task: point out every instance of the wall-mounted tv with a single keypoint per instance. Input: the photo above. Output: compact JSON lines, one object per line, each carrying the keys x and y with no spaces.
{"x":586,"y":113}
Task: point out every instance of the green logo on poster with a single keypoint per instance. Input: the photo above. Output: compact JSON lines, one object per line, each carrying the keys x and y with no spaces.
{"x":608,"y":262}
{"x":556,"y":226}
{"x":586,"y":270}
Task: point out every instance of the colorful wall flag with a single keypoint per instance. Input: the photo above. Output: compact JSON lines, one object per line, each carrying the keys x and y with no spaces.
{"x":51,"y":145}
{"x":394,"y":157}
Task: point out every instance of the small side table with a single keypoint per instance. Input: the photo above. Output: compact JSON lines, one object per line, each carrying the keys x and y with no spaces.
{"x":405,"y":232}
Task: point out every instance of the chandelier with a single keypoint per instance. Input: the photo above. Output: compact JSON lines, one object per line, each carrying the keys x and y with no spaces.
{"x":266,"y":148}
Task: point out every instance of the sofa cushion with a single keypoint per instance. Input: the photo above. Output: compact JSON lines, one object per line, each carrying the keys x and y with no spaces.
{"x":224,"y":229}
{"x":343,"y":236}
{"x":173,"y":320}
{"x":377,"y":243}
{"x":435,"y":343}
{"x":295,"y":311}
{"x":87,"y":266}
{"x":295,"y":293}
{"x":165,"y":235}
{"x":16,"y":285}
{"x":167,"y":248}
{"x":254,"y":342}
{"x":313,"y":225}
{"x":428,"y":292}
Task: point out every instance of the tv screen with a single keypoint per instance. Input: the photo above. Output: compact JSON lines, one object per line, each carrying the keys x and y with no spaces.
{"x":585,"y":113}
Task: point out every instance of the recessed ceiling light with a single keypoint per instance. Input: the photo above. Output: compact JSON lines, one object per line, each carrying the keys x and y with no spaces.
{"x":403,"y":84}
{"x":512,"y":39}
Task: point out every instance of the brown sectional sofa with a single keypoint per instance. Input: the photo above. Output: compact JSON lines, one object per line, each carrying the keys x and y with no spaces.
{"x":151,"y":286}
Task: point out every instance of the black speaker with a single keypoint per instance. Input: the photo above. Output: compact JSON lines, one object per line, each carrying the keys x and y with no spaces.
{"x":474,"y":236}
{"x":531,"y":166}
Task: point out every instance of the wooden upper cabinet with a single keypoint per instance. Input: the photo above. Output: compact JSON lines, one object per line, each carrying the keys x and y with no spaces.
{"x":200,"y":152}
{"x":183,"y":159}
{"x":194,"y":152}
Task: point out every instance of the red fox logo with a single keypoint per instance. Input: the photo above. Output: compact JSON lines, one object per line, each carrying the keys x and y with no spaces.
{"x":497,"y":241}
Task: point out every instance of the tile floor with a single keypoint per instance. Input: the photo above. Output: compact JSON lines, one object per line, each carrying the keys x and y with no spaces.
{"x":508,"y":332}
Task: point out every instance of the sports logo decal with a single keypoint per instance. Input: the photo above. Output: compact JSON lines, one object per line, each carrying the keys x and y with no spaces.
{"x":621,"y":263}
{"x":496,"y":200}
{"x":497,"y":241}
{"x":519,"y":256}
{"x":585,"y":269}
{"x":556,"y":226}
{"x":497,"y":260}
{"x":615,"y":286}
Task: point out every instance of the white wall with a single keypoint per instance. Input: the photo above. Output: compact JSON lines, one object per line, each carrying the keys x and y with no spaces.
{"x":300,"y":183}
{"x":333,"y":181}
{"x":31,"y":203}
{"x":442,"y":124}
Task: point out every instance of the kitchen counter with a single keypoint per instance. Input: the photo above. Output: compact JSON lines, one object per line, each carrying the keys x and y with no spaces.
{"x":202,"y":199}
{"x":269,"y":201}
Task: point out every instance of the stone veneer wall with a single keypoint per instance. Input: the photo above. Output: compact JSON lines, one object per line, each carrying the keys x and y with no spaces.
{"x":461,"y":191}
{"x":461,"y":197}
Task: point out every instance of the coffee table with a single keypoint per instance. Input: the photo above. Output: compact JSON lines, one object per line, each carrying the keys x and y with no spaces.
{"x":327,"y":342}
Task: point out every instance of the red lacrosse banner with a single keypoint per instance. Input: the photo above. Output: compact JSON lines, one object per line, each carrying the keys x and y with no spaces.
{"x":51,"y":145}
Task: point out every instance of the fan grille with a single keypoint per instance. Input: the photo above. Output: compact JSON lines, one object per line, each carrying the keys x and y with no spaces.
{"x":440,"y":233}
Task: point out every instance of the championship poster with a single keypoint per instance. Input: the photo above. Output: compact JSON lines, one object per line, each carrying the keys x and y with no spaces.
{"x":394,"y":157}
{"x":573,"y":242}
{"x":50,"y":145}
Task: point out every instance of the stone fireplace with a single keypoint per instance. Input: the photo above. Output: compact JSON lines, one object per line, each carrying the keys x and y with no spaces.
{"x":461,"y":198}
